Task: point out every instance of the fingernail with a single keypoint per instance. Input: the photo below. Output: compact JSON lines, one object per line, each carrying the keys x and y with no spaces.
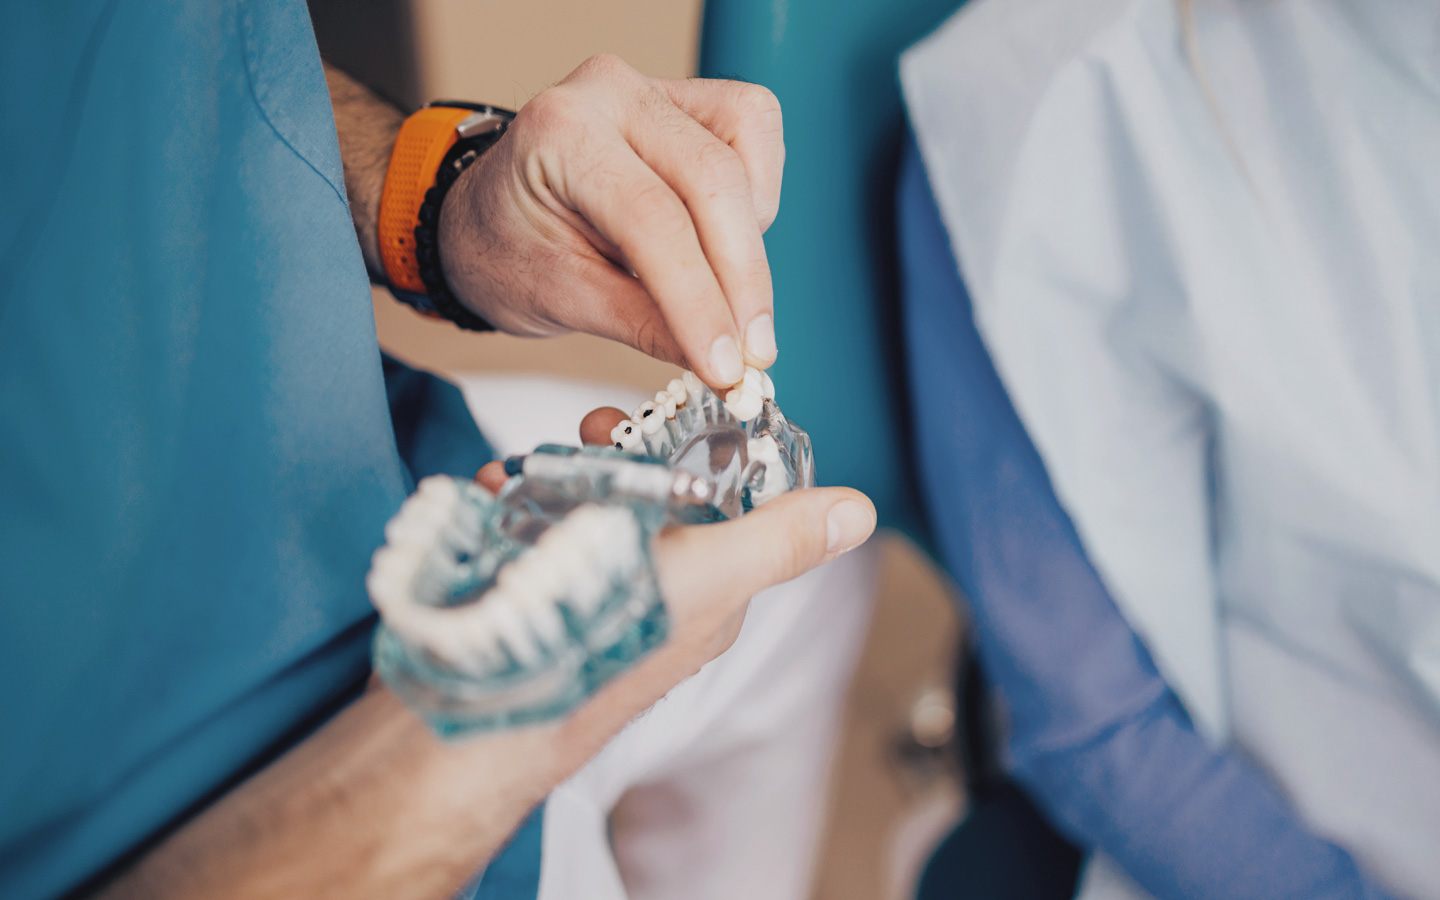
{"x":725,"y":361}
{"x":848,"y":524}
{"x":760,"y":337}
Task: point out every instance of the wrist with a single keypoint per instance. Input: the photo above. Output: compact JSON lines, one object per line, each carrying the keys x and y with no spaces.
{"x":462,"y":247}
{"x":433,"y":150}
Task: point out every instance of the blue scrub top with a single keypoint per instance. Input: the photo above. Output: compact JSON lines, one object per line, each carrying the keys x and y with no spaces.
{"x":197,"y":453}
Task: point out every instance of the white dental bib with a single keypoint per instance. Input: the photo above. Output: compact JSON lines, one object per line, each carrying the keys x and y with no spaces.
{"x":1217,"y":311}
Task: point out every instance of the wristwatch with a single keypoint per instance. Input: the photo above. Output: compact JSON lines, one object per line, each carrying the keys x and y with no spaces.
{"x":434,"y":146}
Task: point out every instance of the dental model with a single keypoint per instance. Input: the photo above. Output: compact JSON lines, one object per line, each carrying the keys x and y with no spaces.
{"x":498,"y":610}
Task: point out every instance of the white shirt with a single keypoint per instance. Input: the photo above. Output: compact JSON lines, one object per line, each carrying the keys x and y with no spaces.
{"x":1214,"y":298}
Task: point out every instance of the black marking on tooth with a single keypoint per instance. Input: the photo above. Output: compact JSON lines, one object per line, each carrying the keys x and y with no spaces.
{"x":629,"y":429}
{"x":619,"y":446}
{"x":646,"y":413}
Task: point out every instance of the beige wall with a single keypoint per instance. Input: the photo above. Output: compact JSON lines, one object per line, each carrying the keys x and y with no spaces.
{"x":503,"y":52}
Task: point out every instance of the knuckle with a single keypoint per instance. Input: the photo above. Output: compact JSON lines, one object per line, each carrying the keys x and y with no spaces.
{"x":720,"y":171}
{"x":649,"y":337}
{"x":799,"y":545}
{"x":606,"y":66}
{"x":549,"y":111}
{"x":758,"y":103}
{"x":800,"y":553}
{"x":657,"y":212}
{"x":766,"y":210}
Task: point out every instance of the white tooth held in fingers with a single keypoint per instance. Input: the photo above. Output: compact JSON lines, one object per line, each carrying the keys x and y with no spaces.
{"x":767,"y":386}
{"x":743,"y":406}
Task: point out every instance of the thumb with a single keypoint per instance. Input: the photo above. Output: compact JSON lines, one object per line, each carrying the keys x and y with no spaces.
{"x":781,"y":540}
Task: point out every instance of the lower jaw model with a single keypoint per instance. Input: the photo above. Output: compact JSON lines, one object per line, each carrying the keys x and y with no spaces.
{"x":502,"y":610}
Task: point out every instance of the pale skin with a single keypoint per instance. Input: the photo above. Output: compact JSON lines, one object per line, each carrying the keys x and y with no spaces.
{"x":619,"y":205}
{"x":550,"y":227}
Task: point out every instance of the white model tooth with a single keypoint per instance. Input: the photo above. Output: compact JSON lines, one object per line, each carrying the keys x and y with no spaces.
{"x":591,"y":541}
{"x":666,"y":401}
{"x":455,"y":537}
{"x":658,"y":444}
{"x":767,"y":386}
{"x":753,"y":404}
{"x":426,"y":512}
{"x":751,"y":381}
{"x":650,"y":417}
{"x":743,"y":406}
{"x":386,"y":592}
{"x":765,"y":451}
{"x":438,"y":487}
{"x":511,"y":628}
{"x":676,"y":389}
{"x":409,"y":530}
{"x":546,"y":622}
{"x":546,"y":575}
{"x":396,"y":562}
{"x":616,"y":435}
{"x":518,"y":579}
{"x":695,"y":389}
{"x":585,"y":595}
{"x":629,"y":435}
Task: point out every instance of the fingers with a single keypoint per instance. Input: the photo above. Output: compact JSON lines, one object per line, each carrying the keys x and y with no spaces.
{"x":747,"y":117}
{"x":595,"y":428}
{"x":637,"y":211}
{"x":713,"y":182}
{"x":781,"y":540}
{"x":602,"y":300}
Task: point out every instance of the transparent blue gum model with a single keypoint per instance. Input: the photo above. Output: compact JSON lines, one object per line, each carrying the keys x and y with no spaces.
{"x":502,"y":610}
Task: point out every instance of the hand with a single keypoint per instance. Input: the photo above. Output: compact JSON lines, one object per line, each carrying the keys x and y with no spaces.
{"x":631,"y":208}
{"x":707,"y":575}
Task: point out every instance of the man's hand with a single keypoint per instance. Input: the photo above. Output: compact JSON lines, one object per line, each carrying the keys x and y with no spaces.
{"x":708,"y":573}
{"x":631,"y":208}
{"x":375,"y":806}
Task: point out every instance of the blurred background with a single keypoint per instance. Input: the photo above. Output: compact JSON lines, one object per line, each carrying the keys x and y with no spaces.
{"x":894,"y":786}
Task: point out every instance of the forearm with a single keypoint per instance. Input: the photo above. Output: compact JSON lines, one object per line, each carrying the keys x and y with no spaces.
{"x":372,"y":805}
{"x":367,"y":127}
{"x":375,"y":806}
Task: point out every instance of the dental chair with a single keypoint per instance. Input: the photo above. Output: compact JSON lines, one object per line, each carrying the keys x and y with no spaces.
{"x":832,"y":252}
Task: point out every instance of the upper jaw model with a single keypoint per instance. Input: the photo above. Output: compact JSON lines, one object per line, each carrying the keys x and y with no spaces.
{"x":501,"y":610}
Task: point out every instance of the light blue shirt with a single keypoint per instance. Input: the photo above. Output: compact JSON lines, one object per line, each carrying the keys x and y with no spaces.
{"x":197,"y":455}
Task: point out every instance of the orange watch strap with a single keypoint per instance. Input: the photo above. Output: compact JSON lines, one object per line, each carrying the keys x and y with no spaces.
{"x":420,"y":148}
